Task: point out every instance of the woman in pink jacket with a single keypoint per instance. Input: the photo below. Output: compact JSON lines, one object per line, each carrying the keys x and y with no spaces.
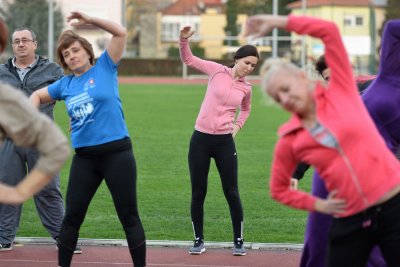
{"x":331,"y":130}
{"x":215,"y":128}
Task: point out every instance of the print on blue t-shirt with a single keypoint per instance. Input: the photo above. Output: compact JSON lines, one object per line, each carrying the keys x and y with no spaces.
{"x":93,"y":104}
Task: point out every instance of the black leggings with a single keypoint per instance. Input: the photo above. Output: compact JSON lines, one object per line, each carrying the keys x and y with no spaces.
{"x":114,"y":162}
{"x":202,"y":148}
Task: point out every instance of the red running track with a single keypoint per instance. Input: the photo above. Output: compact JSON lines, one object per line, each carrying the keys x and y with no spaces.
{"x":102,"y":256}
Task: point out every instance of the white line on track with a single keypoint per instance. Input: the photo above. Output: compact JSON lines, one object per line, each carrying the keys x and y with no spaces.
{"x":97,"y":263}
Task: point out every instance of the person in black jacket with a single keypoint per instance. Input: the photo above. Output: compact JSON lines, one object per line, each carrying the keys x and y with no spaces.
{"x":28,"y":72}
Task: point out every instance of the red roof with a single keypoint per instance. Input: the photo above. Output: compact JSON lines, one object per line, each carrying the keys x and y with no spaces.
{"x":314,"y":3}
{"x":190,"y":7}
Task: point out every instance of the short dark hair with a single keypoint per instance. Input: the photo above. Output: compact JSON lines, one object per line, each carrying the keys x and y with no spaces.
{"x":321,"y":65}
{"x":25,"y":29}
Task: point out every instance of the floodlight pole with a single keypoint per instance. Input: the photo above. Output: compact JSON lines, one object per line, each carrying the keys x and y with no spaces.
{"x":303,"y":38}
{"x":50,"y":36}
{"x":275,"y":31}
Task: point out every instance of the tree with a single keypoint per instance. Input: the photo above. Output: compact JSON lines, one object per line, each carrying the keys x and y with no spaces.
{"x":34,"y":15}
{"x":253,"y":7}
{"x":231,"y":28}
{"x":392,"y":12}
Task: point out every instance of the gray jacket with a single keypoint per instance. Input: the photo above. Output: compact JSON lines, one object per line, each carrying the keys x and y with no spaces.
{"x":41,"y":75}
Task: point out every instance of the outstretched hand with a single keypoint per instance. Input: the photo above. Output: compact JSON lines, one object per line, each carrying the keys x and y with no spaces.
{"x":186,"y":32}
{"x":82,"y":18}
{"x":261,"y":25}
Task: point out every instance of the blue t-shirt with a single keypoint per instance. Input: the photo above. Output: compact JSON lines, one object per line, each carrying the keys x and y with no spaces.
{"x":93,"y":104}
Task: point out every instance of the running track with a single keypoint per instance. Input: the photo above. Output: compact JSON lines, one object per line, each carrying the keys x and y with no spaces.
{"x":100,"y":254}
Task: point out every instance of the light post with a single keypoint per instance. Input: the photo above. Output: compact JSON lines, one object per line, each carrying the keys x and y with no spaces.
{"x":50,"y":38}
{"x":303,"y":38}
{"x":275,"y":31}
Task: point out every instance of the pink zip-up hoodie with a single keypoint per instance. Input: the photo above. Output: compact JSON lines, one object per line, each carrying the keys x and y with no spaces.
{"x":223,"y":97}
{"x":361,"y":168}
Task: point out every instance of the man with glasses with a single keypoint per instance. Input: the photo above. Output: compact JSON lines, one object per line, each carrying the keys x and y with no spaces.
{"x":28,"y":71}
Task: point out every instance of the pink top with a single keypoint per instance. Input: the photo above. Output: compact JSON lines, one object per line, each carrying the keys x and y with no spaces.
{"x":361,"y":168}
{"x":223,"y":97}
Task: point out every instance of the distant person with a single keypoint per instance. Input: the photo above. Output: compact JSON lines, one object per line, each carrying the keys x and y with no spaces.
{"x":215,"y":130}
{"x":331,"y":130}
{"x":28,"y":72}
{"x":103,"y":149}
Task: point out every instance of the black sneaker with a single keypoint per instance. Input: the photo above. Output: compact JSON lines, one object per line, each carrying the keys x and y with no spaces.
{"x":77,"y":250}
{"x":238,"y":247}
{"x":198,"y":247}
{"x":5,"y":247}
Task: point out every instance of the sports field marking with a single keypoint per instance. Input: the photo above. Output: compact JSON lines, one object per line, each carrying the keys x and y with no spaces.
{"x":98,"y":263}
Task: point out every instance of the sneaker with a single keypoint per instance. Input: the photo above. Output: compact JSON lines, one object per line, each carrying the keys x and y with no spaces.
{"x":238,"y":248}
{"x":198,"y":247}
{"x":77,"y":250}
{"x":5,"y":247}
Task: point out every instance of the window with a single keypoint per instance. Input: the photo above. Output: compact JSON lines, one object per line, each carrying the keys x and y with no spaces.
{"x":170,"y":31}
{"x":353,"y":21}
{"x":359,"y":21}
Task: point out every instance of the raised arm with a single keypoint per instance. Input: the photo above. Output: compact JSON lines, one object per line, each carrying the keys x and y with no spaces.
{"x":117,"y":43}
{"x":26,"y":126}
{"x":335,"y":52}
{"x":204,"y":66}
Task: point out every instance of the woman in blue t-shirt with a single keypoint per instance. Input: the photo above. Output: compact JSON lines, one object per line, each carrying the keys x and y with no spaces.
{"x":99,"y":135}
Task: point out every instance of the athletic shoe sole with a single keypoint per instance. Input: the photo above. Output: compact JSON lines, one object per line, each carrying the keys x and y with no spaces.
{"x":197,"y":252}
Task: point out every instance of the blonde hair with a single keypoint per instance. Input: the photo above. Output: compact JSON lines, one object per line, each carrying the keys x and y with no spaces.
{"x":271,"y":66}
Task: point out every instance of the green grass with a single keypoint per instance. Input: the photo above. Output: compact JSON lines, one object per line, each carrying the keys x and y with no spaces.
{"x":160,"y":121}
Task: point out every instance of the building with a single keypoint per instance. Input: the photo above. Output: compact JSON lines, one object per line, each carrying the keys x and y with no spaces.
{"x":208,"y":19}
{"x":358,"y":22}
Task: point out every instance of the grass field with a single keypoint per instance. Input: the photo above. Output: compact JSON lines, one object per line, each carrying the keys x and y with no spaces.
{"x":160,"y":121}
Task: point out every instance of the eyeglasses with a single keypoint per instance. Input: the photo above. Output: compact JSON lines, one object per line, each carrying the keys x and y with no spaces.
{"x":23,"y":41}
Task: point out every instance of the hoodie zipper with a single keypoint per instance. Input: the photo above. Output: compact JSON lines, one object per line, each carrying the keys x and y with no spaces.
{"x":223,"y":106}
{"x":352,"y":174}
{"x":347,"y":162}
